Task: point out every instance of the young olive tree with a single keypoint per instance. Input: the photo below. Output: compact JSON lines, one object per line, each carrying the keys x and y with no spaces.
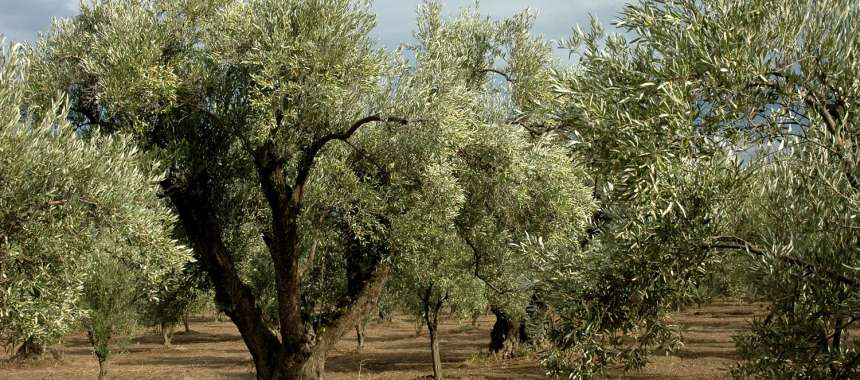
{"x":656,"y":117}
{"x":87,"y":193}
{"x":509,"y":184}
{"x":174,"y":298}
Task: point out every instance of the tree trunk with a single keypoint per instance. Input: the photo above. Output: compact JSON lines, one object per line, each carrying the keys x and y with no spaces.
{"x":298,"y":354}
{"x":103,"y":369}
{"x":835,"y":369}
{"x":166,"y":334}
{"x":185,"y":322}
{"x":507,"y":334}
{"x":359,"y":335}
{"x":431,"y":317}
{"x":30,"y":349}
{"x":433,"y":329}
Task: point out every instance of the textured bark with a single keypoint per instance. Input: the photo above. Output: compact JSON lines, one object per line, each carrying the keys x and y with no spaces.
{"x":232,"y":295}
{"x":103,"y":369}
{"x":166,"y":334}
{"x":507,"y":335}
{"x":30,"y":349}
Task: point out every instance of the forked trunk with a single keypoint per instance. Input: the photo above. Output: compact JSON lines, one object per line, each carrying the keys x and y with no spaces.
{"x":298,"y":354}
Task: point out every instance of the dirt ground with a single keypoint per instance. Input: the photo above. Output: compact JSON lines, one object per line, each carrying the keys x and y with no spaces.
{"x":214,"y":350}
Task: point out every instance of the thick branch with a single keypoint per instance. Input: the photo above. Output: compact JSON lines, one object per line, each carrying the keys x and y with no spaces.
{"x":311,"y":151}
{"x":366,"y":299}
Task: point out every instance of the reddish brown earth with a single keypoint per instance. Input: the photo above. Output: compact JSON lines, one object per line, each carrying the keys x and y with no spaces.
{"x":214,"y":350}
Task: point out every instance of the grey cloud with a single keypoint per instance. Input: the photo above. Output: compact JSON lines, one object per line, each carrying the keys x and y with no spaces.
{"x":21,"y":20}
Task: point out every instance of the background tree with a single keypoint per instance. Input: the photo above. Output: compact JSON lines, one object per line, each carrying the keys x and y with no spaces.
{"x":179,"y":294}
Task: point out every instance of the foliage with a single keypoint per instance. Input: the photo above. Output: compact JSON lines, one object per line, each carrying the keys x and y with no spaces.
{"x":665,"y":120}
{"x":178,"y":294}
{"x":61,"y":197}
{"x":302,"y":159}
{"x":110,"y":297}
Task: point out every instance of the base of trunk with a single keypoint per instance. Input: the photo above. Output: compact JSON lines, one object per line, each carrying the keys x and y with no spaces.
{"x":103,"y":369}
{"x":30,"y":350}
{"x":506,"y":336}
{"x":166,"y":334}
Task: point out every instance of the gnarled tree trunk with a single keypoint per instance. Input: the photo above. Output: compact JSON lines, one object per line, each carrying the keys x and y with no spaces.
{"x":507,"y":334}
{"x":30,"y":349}
{"x":298,"y":353}
{"x":166,"y":334}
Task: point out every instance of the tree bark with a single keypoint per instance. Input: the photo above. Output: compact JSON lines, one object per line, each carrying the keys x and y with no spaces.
{"x":299,"y":353}
{"x":233,"y":296}
{"x":30,"y":349}
{"x":166,"y":334}
{"x":507,"y":334}
{"x":185,"y":322}
{"x":433,"y":329}
{"x":431,"y":317}
{"x":359,"y":336}
{"x":103,"y":368}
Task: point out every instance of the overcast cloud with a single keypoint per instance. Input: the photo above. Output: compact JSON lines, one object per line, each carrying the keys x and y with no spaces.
{"x":21,"y":20}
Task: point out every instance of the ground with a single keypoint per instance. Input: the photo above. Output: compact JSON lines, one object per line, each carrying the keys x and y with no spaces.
{"x":214,"y":350}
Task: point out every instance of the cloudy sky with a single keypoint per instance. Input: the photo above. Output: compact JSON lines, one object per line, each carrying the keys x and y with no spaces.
{"x":21,"y":20}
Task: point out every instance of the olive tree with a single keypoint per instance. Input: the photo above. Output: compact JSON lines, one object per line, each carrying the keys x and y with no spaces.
{"x":89,"y":193}
{"x":662,"y":118}
{"x":282,"y":119}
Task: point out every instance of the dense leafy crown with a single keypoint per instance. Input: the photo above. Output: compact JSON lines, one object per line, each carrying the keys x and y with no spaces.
{"x":65,"y":199}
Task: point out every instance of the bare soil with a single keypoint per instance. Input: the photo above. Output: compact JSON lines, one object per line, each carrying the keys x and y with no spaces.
{"x":214,"y":350}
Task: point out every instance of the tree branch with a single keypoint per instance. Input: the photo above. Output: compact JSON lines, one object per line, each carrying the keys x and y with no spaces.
{"x":497,"y":71}
{"x":311,"y":151}
{"x":738,"y":244}
{"x":477,"y":272}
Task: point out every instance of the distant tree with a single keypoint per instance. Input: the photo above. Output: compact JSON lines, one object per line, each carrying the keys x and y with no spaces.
{"x":173,"y":299}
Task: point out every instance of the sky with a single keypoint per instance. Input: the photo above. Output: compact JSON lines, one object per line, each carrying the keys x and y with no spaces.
{"x":22,"y":20}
